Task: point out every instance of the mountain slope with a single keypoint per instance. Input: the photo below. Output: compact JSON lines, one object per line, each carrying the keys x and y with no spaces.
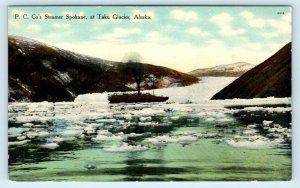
{"x":234,"y":69}
{"x":38,"y":72}
{"x":270,"y":78}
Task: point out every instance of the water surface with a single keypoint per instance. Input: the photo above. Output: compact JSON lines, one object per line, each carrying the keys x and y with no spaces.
{"x":182,"y":140}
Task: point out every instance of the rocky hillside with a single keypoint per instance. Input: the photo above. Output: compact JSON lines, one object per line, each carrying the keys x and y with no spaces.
{"x":39,"y":72}
{"x":270,"y":78}
{"x":234,"y":69}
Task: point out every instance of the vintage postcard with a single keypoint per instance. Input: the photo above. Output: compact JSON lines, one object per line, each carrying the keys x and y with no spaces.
{"x":149,"y":93}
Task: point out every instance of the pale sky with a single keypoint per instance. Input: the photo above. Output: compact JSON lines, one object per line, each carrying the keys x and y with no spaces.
{"x":179,"y":37}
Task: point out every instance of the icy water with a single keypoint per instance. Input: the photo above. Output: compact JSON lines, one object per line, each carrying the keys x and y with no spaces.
{"x":189,"y":138}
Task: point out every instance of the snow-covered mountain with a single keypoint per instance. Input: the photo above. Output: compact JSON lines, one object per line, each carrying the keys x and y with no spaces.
{"x":234,"y":69}
{"x":40,"y":72}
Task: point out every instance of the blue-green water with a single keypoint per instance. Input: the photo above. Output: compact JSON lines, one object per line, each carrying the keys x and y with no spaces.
{"x":220,"y":140}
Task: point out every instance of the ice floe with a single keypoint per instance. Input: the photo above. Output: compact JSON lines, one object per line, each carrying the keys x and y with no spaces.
{"x":268,"y":109}
{"x":72,"y":132}
{"x":18,"y":143}
{"x":172,"y":139}
{"x":108,"y":138}
{"x":90,"y":117}
{"x":255,"y":142}
{"x":16,"y":131}
{"x":50,"y":146}
{"x":125,"y":148}
{"x":267,"y":123}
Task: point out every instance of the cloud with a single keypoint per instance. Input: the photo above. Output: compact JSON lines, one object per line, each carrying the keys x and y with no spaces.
{"x":197,"y":32}
{"x":119,"y":34}
{"x":68,"y":12}
{"x":13,"y":24}
{"x":52,"y":36}
{"x":274,"y":46}
{"x":282,"y":26}
{"x":184,"y":15}
{"x":229,"y":32}
{"x":33,"y":28}
{"x":182,"y":56}
{"x":58,"y":36}
{"x":156,"y":37}
{"x":61,"y":26}
{"x":269,"y":35}
{"x":252,"y":20}
{"x":224,"y":20}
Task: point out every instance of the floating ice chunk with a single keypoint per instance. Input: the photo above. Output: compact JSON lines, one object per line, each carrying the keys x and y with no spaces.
{"x":250,"y":131}
{"x":127,"y":116}
{"x":174,"y":117}
{"x":106,"y":120}
{"x":40,"y":126}
{"x":40,"y":107}
{"x":72,"y":133}
{"x":258,"y":101}
{"x":224,"y":119}
{"x":287,"y":135}
{"x":278,"y":129}
{"x":209,"y":119}
{"x":89,"y":129}
{"x":32,"y":134}
{"x":251,"y":126}
{"x":14,"y":135}
{"x":187,"y":138}
{"x":108,"y":138}
{"x":27,"y":124}
{"x":145,"y":119}
{"x":103,"y":132}
{"x":27,"y":119}
{"x":269,"y":109}
{"x":211,"y":135}
{"x":21,"y":138}
{"x":50,"y":146}
{"x":134,"y":135}
{"x":42,"y":134}
{"x":255,"y":142}
{"x":148,"y":112}
{"x":56,"y":139}
{"x":16,"y":131}
{"x":148,"y":123}
{"x":172,"y":139}
{"x":277,"y":126}
{"x":18,"y":143}
{"x":125,"y":147}
{"x":248,"y":144}
{"x":90,"y":166}
{"x":273,"y":135}
{"x":267,"y":123}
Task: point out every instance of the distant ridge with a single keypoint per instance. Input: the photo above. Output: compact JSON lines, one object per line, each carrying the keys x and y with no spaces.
{"x":233,"y":69}
{"x":40,"y":72}
{"x":272,"y":78}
